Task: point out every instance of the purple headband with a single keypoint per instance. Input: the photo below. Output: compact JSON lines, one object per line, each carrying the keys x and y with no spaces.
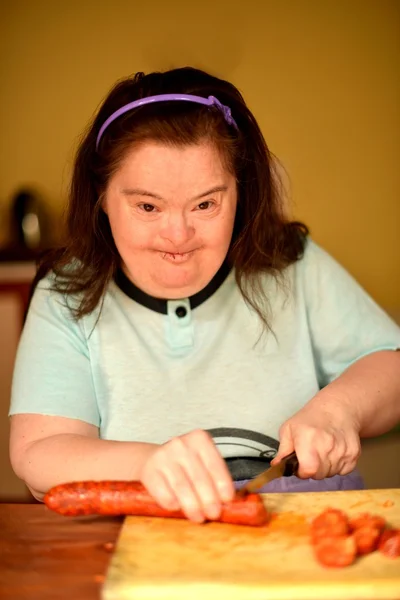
{"x":210,"y":101}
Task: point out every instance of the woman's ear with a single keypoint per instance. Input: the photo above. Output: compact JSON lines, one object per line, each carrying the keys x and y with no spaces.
{"x":103,"y":203}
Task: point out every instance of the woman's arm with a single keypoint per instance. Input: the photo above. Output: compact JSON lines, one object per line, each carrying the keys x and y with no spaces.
{"x":45,"y":451}
{"x":363,"y":401}
{"x":186,"y":473}
{"x":369,"y":390}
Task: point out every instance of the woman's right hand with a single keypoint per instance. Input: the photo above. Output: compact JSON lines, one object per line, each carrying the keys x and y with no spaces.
{"x":188,"y":473}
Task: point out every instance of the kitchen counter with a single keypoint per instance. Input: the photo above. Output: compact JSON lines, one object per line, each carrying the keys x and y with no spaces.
{"x":49,"y":557}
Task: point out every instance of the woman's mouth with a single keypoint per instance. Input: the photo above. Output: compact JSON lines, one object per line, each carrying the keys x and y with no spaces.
{"x":177,"y":257}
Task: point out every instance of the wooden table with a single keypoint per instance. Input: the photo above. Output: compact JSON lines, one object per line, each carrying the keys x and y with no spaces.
{"x":47,"y":556}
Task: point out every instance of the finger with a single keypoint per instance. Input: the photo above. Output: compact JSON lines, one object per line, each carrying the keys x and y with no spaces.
{"x":347,"y":467}
{"x":185,"y":493}
{"x":318,"y":452}
{"x":351,"y":456}
{"x":284,"y":450}
{"x":310,"y":464}
{"x":158,"y":487}
{"x":339,"y":456}
{"x":202,"y":483}
{"x":326,"y":467}
{"x":213,"y":464}
{"x":286,"y":445}
{"x":333,"y":463}
{"x":348,"y":462}
{"x":341,"y":466}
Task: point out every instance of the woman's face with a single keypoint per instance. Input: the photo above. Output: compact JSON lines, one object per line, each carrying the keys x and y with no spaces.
{"x":171,"y":212}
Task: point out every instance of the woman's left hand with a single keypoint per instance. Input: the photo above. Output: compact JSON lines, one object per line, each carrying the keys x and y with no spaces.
{"x":325,"y":436}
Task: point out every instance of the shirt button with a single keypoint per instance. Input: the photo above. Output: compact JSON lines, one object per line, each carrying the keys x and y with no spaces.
{"x":181,"y":312}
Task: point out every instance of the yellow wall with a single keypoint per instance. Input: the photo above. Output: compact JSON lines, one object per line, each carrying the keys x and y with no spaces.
{"x":322,"y":77}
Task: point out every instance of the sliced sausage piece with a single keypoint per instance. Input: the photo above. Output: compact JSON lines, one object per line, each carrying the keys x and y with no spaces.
{"x":389,"y":543}
{"x":132,"y":498}
{"x":367,"y":520}
{"x":330,"y":523}
{"x":366,"y":539}
{"x":336,"y":551}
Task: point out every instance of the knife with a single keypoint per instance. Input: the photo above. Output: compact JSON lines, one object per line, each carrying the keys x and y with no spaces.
{"x":285,"y":468}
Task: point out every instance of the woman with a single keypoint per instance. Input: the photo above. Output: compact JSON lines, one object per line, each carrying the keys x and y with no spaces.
{"x":186,"y":325}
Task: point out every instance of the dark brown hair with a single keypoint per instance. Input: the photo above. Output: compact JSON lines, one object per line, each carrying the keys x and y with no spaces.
{"x":264,"y":240}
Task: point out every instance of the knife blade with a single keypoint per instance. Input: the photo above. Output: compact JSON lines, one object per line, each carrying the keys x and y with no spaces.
{"x":285,"y":468}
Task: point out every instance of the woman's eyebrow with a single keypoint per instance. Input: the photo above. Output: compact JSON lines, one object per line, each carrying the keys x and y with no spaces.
{"x":141,"y":192}
{"x":217,"y":188}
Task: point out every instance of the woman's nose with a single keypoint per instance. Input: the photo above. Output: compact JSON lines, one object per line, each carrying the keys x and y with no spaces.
{"x":177,"y":230}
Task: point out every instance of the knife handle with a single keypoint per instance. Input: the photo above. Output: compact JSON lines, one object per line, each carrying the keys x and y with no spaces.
{"x":291,"y":465}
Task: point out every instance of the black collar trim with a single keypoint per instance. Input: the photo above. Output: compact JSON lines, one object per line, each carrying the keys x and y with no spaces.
{"x":161,"y":306}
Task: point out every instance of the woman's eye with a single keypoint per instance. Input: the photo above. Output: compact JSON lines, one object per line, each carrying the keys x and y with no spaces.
{"x":205,"y":205}
{"x":148,"y":207}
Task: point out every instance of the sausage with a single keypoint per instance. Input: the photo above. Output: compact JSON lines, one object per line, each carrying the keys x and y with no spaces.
{"x":330,"y":523}
{"x":332,"y":544}
{"x":132,"y":498}
{"x":367,"y":520}
{"x":335,"y":551}
{"x":337,"y":540}
{"x":366,"y":539}
{"x":389,"y":543}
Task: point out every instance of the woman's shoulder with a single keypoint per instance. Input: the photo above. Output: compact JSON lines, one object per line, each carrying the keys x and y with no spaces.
{"x":315,"y":271}
{"x":314,"y":253}
{"x":317,"y":263}
{"x":51,"y":293}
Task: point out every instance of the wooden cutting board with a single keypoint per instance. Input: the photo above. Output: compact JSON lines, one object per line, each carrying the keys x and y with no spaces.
{"x":173,"y":559}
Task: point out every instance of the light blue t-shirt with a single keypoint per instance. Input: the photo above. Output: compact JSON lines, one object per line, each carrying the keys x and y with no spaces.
{"x":141,"y":375}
